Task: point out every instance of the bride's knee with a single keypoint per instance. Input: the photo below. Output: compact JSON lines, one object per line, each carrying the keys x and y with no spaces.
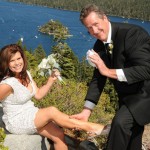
{"x":53,"y":109}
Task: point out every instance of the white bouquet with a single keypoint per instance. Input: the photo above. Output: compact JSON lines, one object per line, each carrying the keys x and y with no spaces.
{"x":47,"y":65}
{"x":89,"y":53}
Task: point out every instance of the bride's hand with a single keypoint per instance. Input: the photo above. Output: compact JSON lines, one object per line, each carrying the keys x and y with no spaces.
{"x":55,"y":74}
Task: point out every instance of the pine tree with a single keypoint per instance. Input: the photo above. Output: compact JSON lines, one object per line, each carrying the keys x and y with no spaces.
{"x":39,"y":54}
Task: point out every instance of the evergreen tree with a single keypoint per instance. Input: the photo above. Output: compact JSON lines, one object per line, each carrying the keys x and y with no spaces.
{"x":84,"y":71}
{"x":66,"y":59}
{"x":39,"y":54}
{"x":113,"y":98}
{"x":32,"y":63}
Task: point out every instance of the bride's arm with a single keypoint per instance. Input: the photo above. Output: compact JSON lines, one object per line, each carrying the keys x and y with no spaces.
{"x":5,"y":91}
{"x":42,"y":91}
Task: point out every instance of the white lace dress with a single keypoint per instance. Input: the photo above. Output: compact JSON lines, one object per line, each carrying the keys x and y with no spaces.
{"x":19,"y":110}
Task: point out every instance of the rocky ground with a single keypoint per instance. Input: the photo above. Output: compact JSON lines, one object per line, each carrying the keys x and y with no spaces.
{"x":146,"y":138}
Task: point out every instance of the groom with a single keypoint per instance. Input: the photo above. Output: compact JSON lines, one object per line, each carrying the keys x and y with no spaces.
{"x":127,"y":64}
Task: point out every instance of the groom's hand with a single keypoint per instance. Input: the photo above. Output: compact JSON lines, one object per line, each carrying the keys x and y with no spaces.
{"x":84,"y":115}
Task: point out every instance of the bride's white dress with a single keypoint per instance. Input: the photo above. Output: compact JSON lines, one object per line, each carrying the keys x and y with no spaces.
{"x":19,"y":110}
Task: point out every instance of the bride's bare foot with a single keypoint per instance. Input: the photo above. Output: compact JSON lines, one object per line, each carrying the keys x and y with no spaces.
{"x":98,"y":130}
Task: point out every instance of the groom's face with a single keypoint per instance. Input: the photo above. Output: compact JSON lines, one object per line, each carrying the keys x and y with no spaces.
{"x":97,"y":26}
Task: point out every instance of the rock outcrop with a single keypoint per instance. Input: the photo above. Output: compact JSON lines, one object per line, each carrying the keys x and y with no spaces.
{"x":23,"y":142}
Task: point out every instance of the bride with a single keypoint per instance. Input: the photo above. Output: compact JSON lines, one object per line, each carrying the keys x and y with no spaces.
{"x":20,"y":115}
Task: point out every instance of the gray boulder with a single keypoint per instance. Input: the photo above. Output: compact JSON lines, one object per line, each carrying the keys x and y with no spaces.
{"x":23,"y":142}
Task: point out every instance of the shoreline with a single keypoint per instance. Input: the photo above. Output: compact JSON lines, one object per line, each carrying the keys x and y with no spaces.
{"x":74,"y":10}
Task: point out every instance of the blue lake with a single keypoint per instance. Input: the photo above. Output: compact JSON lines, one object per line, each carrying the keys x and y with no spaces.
{"x":19,"y":20}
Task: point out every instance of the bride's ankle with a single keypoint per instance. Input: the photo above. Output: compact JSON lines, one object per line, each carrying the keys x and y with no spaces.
{"x":106,"y":129}
{"x":97,"y":127}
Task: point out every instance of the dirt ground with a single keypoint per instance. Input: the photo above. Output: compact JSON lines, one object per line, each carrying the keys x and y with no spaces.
{"x":146,"y":137}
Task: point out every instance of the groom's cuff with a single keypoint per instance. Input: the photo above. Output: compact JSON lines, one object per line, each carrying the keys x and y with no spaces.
{"x":121,"y":76}
{"x":89,"y":105}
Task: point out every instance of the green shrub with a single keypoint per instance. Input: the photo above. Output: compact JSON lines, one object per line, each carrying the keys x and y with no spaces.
{"x":69,"y":99}
{"x":2,"y":137}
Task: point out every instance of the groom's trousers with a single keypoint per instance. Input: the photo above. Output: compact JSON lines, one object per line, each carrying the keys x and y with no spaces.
{"x":125,"y":133}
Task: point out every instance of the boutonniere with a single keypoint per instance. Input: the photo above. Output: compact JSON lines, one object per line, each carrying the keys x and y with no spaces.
{"x":110,"y":47}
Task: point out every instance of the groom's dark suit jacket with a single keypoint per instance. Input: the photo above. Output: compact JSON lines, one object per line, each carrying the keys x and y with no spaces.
{"x":131,"y":53}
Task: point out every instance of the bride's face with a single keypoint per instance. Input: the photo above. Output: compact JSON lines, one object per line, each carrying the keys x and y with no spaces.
{"x":16,"y":63}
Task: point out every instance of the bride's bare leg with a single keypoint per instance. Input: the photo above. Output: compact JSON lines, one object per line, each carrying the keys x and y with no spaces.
{"x":45,"y":115}
{"x":55,"y":133}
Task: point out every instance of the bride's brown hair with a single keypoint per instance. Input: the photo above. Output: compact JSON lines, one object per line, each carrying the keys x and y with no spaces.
{"x":5,"y":55}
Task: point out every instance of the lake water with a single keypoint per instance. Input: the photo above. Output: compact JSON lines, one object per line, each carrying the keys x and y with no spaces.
{"x":19,"y":20}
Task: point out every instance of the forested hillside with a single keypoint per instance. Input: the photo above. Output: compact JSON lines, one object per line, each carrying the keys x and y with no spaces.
{"x":126,"y":8}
